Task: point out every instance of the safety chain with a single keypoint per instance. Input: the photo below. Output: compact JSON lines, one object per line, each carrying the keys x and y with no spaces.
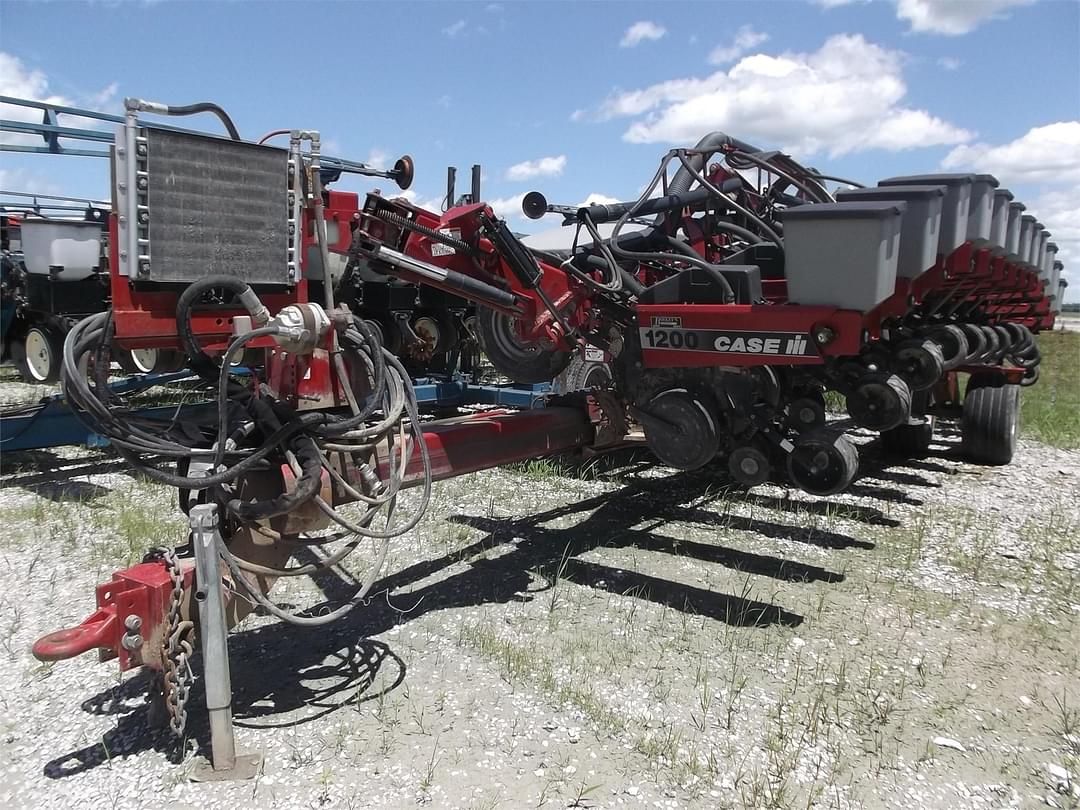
{"x":176,"y":647}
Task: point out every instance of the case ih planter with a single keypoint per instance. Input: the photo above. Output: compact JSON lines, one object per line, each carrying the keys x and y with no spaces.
{"x":722,"y":320}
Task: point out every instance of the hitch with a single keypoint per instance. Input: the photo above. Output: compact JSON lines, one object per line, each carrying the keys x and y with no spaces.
{"x":128,"y":623}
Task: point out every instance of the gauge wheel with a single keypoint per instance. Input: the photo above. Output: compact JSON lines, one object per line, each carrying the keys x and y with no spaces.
{"x":40,"y":355}
{"x":822,"y":463}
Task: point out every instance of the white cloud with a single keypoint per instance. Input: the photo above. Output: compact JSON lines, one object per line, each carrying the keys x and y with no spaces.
{"x":745,"y":39}
{"x":20,"y":81}
{"x":455,"y":29}
{"x":952,"y":17}
{"x":597,"y":198}
{"x":1047,"y":154}
{"x":577,"y":115}
{"x":948,"y":17}
{"x":541,"y":167}
{"x":640,"y":32}
{"x":845,"y":97}
{"x":28,"y":182}
{"x":508,"y":207}
{"x":949,"y":63}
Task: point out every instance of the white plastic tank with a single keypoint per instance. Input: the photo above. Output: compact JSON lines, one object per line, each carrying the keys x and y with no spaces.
{"x":981,"y":207}
{"x":72,"y":246}
{"x":842,"y":254}
{"x":920,"y":226}
{"x":999,"y":217}
{"x":1027,"y":230}
{"x":954,"y":210}
{"x":1012,"y":230}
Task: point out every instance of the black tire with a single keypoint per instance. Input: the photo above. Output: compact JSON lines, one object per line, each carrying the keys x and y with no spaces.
{"x":822,"y":463}
{"x":880,"y":402}
{"x":993,"y":345}
{"x":953,"y":344}
{"x":1031,"y":376}
{"x":919,"y":362}
{"x":1022,"y":337}
{"x":682,"y":430}
{"x":580,"y":375}
{"x":991,"y":420}
{"x":523,"y":363}
{"x":40,"y":355}
{"x":976,"y":341}
{"x":909,"y":441}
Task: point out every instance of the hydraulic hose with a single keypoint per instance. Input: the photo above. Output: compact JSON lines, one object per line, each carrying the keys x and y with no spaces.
{"x":712,"y":142}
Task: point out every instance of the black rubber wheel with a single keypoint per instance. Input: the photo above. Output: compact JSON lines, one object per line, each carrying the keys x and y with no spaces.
{"x":749,"y":465}
{"x":1031,"y":376}
{"x":976,"y":341}
{"x":521,"y":362}
{"x":581,"y":374}
{"x":40,"y":355}
{"x":993,"y":344}
{"x":953,"y":344}
{"x":681,"y":429}
{"x":1022,"y":337}
{"x":991,"y":420}
{"x":822,"y":462}
{"x":880,"y":402}
{"x":909,"y":441}
{"x":919,"y":362}
{"x":806,"y":412}
{"x":1005,"y":338}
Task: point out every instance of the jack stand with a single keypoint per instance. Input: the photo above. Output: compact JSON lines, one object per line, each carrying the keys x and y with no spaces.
{"x":224,"y":764}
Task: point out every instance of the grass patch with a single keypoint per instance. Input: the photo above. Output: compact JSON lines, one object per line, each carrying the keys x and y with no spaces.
{"x":1050,"y":409}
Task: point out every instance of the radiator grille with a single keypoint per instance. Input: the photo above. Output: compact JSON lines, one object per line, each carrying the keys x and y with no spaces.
{"x":216,"y":206}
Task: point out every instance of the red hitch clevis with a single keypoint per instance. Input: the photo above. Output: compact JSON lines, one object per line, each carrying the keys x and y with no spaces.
{"x":128,"y":623}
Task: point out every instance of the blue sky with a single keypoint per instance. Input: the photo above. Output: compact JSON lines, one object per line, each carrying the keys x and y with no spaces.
{"x":582,"y":98}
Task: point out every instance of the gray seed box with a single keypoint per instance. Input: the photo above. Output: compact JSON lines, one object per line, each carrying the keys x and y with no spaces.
{"x":954,"y":210}
{"x":999,"y":219}
{"x":921,"y":222}
{"x":842,"y":254}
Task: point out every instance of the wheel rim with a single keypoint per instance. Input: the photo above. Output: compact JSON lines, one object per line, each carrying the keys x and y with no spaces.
{"x":39,"y":359}
{"x":144,"y":360}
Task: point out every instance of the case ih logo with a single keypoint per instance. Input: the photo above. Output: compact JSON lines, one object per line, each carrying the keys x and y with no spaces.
{"x":778,"y":344}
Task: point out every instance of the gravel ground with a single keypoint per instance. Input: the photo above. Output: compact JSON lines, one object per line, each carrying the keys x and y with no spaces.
{"x":618,"y":635}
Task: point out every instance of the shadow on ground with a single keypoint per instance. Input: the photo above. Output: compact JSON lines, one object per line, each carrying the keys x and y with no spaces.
{"x":280,"y":670}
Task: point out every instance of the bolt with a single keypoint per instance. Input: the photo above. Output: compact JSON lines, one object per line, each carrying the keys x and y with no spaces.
{"x":131,"y":641}
{"x":133,"y":623}
{"x":823,"y":335}
{"x":144,"y":217}
{"x":142,"y":183}
{"x":141,"y":150}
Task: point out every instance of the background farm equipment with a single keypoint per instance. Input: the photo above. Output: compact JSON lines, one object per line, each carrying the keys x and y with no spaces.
{"x":746,"y":293}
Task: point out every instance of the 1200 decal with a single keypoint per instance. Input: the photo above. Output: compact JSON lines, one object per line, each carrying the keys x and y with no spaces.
{"x":780,"y":344}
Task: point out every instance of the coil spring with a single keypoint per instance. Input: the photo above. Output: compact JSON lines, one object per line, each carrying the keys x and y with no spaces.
{"x":404,"y":222}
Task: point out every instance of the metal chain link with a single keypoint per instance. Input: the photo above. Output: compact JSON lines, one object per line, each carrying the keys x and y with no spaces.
{"x":176,"y":647}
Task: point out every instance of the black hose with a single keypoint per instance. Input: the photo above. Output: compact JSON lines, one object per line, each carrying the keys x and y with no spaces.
{"x":712,"y":142}
{"x":198,"y":360}
{"x":210,"y":107}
